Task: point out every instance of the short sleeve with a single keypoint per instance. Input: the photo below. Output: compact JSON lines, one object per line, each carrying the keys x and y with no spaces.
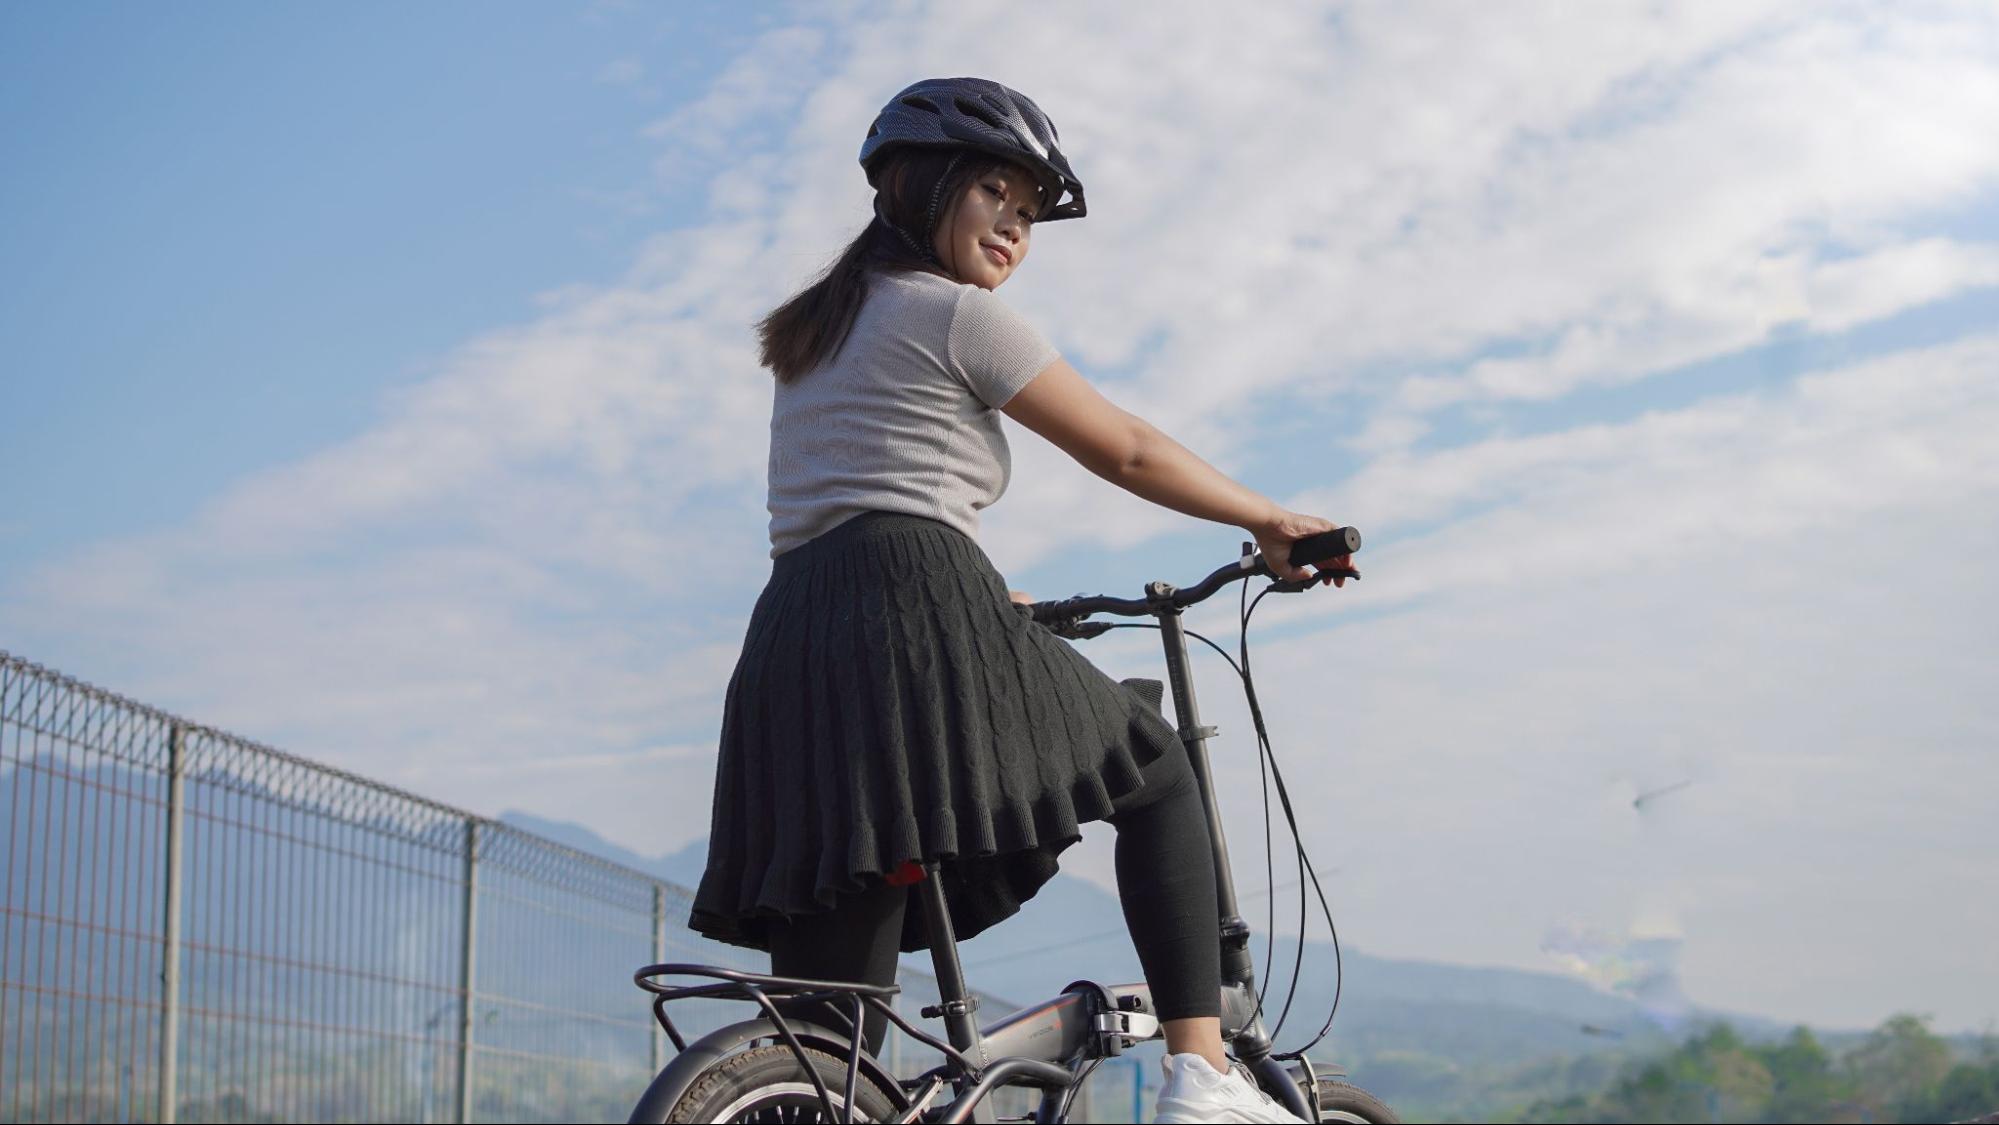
{"x":993,"y":349}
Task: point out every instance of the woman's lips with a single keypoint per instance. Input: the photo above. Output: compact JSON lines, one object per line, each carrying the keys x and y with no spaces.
{"x":998,"y":255}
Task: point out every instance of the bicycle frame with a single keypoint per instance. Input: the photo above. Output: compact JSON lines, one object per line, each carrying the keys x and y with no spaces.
{"x":1050,"y":1046}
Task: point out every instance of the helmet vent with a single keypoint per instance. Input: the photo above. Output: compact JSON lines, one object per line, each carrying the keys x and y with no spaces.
{"x":984,"y":113}
{"x":924,"y":104}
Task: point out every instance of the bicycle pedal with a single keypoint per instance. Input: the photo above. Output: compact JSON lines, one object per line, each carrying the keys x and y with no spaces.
{"x":1132,"y":1026}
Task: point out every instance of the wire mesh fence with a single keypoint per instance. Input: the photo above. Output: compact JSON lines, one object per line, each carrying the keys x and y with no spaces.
{"x":200,"y":928}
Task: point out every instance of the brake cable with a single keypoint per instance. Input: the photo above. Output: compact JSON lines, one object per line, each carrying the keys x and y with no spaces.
{"x":1267,"y":760}
{"x":1305,"y":866}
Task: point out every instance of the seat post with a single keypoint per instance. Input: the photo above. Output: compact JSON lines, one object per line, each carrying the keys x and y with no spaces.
{"x":955,"y":1002}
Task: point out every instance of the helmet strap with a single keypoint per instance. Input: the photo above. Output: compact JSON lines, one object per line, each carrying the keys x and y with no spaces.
{"x":924,"y":250}
{"x":915,"y":247}
{"x":937,"y":192}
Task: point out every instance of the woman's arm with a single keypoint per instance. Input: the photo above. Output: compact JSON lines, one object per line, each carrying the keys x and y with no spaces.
{"x":1060,"y":405}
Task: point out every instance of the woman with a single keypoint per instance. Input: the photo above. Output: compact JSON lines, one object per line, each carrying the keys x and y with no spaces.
{"x":889,"y":703}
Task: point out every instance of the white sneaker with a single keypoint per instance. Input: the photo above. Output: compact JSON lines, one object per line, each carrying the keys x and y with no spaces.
{"x":1196,"y":1092}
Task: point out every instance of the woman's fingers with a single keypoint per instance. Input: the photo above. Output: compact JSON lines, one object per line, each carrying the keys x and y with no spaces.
{"x":1344,"y":562}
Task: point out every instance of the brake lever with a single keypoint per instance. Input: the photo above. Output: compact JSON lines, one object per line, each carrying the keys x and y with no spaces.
{"x":1295,"y":585}
{"x":1077,"y":629}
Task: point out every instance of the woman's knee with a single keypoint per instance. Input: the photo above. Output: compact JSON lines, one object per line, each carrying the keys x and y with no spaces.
{"x":1168,"y":781}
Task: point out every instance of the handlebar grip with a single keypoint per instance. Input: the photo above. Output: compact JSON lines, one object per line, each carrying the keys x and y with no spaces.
{"x":1325,"y":545}
{"x":1048,"y":613}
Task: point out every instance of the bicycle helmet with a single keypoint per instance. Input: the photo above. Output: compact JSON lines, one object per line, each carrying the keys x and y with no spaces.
{"x":984,"y":115}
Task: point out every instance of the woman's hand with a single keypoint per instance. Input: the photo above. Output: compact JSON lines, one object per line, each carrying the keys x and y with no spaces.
{"x":1020,"y":597}
{"x":1276,"y":533}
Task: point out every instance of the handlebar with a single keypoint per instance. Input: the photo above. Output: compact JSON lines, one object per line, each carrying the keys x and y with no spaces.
{"x":1065,"y":616}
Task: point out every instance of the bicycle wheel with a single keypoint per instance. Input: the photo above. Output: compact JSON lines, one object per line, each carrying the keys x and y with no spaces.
{"x":1344,"y":1101}
{"x":768,"y":1084}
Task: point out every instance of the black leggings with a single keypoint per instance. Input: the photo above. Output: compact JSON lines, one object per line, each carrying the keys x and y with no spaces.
{"x":1166,"y":884}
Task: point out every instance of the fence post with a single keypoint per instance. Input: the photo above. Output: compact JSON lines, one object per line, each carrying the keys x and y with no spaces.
{"x":467,"y":947}
{"x":169,"y":1091}
{"x":658,"y":955}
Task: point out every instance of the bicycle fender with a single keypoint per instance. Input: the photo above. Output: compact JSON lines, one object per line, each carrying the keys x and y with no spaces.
{"x":673,"y":1080}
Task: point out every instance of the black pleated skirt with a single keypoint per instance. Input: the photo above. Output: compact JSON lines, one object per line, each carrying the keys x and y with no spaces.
{"x":891,"y":704}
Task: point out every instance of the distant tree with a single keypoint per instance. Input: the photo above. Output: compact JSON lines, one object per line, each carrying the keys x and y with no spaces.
{"x":1901,"y":1063}
{"x":1807,"y":1087}
{"x":1711,"y":1077}
{"x":1901,"y":1072}
{"x":1969,"y":1090}
{"x":1742,"y":1085}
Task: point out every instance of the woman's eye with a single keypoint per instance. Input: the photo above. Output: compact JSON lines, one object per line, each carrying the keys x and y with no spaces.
{"x":997,"y":193}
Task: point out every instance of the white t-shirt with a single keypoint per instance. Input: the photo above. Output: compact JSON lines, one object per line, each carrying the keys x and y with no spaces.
{"x":905,"y":418}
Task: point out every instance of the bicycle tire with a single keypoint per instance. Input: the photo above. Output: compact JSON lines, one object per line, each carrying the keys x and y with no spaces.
{"x":767,"y":1084}
{"x":1344,"y":1101}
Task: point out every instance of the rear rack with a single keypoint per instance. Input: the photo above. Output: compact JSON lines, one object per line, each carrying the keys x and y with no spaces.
{"x":762,"y":989}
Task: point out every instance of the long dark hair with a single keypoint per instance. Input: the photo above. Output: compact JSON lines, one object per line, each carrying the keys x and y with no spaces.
{"x":916,"y":189}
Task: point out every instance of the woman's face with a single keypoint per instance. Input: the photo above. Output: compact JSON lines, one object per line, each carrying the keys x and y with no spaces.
{"x":983,"y":238}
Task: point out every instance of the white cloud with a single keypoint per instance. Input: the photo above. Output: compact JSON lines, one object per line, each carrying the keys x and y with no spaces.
{"x":765,"y":81}
{"x":1777,"y":597}
{"x":1811,"y":457}
{"x":1476,"y":759}
{"x":1856,"y":290}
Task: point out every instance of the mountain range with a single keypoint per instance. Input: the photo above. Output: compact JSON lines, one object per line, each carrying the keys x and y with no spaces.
{"x":1440,"y":1040}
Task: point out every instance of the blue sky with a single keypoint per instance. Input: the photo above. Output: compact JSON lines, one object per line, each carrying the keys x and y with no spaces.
{"x":231,"y":226}
{"x":383,"y":381}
